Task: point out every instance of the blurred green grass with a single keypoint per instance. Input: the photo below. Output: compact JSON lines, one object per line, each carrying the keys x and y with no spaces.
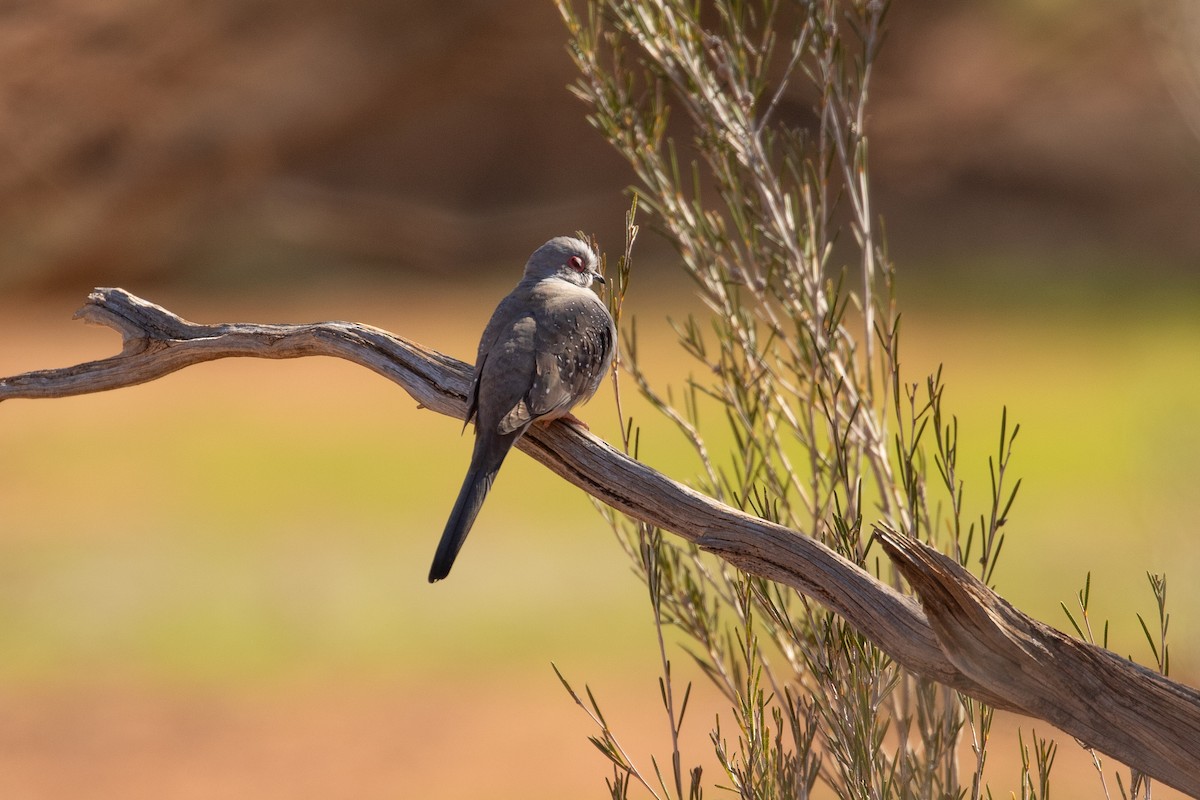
{"x":247,"y":521}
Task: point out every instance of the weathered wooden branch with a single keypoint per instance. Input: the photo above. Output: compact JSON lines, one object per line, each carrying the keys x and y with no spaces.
{"x":971,"y":639}
{"x":1107,"y":702}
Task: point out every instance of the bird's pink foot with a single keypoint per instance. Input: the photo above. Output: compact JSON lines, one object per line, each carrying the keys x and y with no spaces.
{"x":574,"y":420}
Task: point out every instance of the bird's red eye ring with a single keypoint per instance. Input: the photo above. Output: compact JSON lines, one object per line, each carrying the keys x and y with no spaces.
{"x":576,"y":263}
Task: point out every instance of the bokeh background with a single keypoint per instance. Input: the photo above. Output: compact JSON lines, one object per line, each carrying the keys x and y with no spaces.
{"x":214,"y":584}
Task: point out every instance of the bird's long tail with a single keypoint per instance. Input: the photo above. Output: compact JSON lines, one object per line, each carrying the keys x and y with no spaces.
{"x":484,"y":466}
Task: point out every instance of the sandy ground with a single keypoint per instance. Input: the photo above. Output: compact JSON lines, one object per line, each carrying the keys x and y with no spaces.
{"x":450,"y":740}
{"x":445,"y":740}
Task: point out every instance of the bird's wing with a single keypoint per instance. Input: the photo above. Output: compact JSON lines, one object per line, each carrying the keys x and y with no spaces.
{"x":505,"y":376}
{"x":473,"y":394}
{"x":573,"y":351}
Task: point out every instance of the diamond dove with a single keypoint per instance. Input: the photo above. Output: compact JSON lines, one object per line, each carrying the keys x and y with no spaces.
{"x":547,"y":348}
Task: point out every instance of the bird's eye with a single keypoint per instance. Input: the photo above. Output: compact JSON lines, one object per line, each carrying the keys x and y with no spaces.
{"x":576,"y":263}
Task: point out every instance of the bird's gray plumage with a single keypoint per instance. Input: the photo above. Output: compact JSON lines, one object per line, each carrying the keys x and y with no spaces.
{"x":548,"y":346}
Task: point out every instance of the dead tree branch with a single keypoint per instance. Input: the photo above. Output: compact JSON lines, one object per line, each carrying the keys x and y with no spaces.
{"x":972,"y":640}
{"x":1107,"y":702}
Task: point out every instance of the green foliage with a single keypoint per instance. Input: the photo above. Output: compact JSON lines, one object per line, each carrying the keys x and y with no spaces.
{"x":798,"y":369}
{"x":744,"y":123}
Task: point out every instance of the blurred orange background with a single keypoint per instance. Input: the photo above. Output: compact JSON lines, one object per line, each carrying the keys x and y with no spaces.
{"x":213,"y":585}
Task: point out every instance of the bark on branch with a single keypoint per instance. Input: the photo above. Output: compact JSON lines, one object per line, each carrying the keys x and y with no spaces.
{"x":971,"y":639}
{"x":1107,"y":702}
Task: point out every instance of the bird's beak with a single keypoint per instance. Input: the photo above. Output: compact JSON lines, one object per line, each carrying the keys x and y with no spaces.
{"x":600,"y":278}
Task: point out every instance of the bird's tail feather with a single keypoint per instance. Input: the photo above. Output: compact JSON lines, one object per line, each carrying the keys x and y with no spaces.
{"x":470,"y":499}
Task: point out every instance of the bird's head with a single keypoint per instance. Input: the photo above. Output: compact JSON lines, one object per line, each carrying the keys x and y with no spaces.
{"x":567,"y":258}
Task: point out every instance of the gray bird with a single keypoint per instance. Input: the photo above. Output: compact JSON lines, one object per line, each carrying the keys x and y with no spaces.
{"x":547,"y":347}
